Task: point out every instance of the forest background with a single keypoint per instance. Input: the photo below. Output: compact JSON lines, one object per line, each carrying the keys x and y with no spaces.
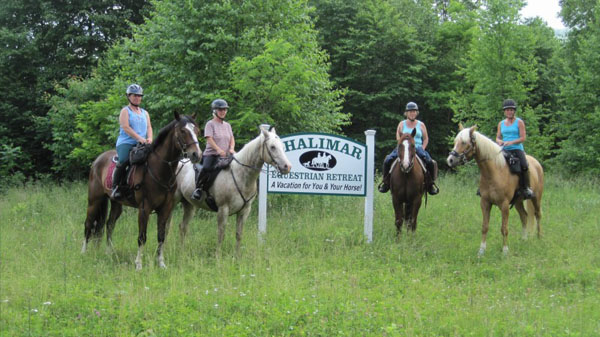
{"x":338,"y":66}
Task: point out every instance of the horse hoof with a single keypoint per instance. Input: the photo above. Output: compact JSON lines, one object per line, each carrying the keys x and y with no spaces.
{"x":481,"y":252}
{"x":138,"y":265}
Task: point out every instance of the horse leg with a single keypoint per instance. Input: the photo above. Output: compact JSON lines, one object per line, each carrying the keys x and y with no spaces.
{"x":143,"y":215}
{"x":504,"y":229}
{"x":523,"y":216}
{"x":241,"y":219}
{"x":399,"y":213}
{"x":222,"y":215}
{"x":537,"y":209}
{"x":486,"y":206}
{"x":163,"y":216}
{"x":115,"y":212}
{"x":416,"y":205}
{"x":188,"y":212}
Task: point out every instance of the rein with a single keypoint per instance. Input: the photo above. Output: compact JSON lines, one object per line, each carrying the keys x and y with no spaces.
{"x":237,"y":187}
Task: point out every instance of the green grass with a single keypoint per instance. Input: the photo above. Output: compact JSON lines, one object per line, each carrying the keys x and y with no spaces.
{"x":313,"y":276}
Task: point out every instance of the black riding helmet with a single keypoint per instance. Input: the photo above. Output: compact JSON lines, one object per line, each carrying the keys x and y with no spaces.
{"x":509,"y":104}
{"x":411,"y":106}
{"x":219,"y":104}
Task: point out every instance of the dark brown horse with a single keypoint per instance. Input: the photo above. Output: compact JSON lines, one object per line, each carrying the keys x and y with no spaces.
{"x":497,"y":185}
{"x":153,"y":182}
{"x":407,"y":183}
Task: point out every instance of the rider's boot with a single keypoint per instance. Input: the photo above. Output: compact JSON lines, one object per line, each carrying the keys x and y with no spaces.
{"x":117,"y":178}
{"x":197,"y":194}
{"x":525,"y":189}
{"x":432,"y":188}
{"x":384,"y":186}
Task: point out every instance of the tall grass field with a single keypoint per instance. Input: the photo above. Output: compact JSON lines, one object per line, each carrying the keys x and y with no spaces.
{"x":313,"y":274}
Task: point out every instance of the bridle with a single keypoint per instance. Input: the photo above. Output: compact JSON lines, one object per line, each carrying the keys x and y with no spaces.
{"x":237,"y":187}
{"x":466,"y":154}
{"x":183,"y":155}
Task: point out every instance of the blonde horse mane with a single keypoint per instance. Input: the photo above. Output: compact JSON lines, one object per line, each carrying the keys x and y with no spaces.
{"x":488,"y":149}
{"x":248,"y":150}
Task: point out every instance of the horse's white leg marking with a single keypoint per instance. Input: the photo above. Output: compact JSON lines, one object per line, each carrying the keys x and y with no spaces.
{"x":161,"y":258}
{"x":481,"y":249}
{"x":84,"y":247}
{"x":138,"y":258}
{"x":505,"y":250}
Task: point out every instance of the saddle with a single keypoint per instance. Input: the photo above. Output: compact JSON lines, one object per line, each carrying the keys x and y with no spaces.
{"x":209,"y":178}
{"x":514,"y":164}
{"x":127,"y":189}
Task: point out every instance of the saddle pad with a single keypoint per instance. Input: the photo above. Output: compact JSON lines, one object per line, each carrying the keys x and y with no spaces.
{"x":109,"y":175}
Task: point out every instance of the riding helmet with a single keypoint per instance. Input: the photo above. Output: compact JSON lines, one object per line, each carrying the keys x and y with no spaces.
{"x":411,"y":106}
{"x":219,"y":104}
{"x":509,"y":104}
{"x":135,"y":89}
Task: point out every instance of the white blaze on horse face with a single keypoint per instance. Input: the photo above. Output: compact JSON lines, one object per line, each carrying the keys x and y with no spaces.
{"x":196,"y":147}
{"x":406,"y":156}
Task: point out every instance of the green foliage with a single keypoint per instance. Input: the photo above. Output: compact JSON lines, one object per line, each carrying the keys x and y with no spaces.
{"x":313,"y":275}
{"x":44,"y":44}
{"x":579,"y":148}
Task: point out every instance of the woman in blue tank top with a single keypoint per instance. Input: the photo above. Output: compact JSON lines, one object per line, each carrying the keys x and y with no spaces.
{"x":511,"y":135}
{"x":135,"y":128}
{"x":421,"y":140}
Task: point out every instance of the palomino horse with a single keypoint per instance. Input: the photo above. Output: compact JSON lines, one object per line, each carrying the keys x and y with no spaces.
{"x":234,"y":188}
{"x":496,"y":184}
{"x":407,"y":183}
{"x":154,"y":185}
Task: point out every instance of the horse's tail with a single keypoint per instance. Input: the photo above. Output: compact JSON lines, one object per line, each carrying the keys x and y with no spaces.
{"x":530,"y":215}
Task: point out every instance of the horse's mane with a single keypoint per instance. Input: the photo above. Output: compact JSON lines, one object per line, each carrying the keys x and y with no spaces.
{"x":488,"y":149}
{"x":162,"y":134}
{"x":244,"y":154}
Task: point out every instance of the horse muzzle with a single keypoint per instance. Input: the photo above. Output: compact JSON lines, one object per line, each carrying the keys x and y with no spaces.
{"x":455,"y":159}
{"x":285,"y":168}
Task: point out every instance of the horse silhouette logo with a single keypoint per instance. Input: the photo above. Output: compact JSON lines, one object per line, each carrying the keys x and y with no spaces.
{"x":318,"y":160}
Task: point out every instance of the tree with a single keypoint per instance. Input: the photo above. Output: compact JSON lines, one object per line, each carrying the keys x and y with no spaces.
{"x":260,"y":55}
{"x":44,"y":43}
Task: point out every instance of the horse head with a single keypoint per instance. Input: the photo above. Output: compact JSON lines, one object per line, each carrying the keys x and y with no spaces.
{"x":273,"y":153}
{"x":186,"y":133}
{"x":464,"y":146}
{"x":407,"y":151}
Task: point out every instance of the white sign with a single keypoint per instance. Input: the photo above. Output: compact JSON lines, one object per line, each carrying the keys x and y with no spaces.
{"x":321,"y":164}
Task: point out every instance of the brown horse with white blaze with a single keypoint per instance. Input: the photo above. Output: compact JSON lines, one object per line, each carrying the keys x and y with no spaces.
{"x":497,"y":185}
{"x":407,"y":183}
{"x":154,"y":183}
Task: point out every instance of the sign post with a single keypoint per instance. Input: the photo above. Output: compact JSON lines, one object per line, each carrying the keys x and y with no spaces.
{"x":323,"y":164}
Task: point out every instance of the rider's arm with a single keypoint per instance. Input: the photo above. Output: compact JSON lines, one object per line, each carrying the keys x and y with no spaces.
{"x":149,"y":135}
{"x":399,"y":131}
{"x":425,"y":135}
{"x":214,"y":145}
{"x":499,"y":140}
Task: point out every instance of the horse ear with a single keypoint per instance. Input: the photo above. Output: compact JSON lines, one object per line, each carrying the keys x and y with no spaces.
{"x":474,"y":128}
{"x":194,"y":116}
{"x":413,"y":133}
{"x":176,"y":114}
{"x":460,"y":126}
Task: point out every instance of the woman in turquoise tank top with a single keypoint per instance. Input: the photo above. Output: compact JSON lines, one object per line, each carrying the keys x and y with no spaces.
{"x":511,"y":135}
{"x":135,"y":128}
{"x":421,"y":140}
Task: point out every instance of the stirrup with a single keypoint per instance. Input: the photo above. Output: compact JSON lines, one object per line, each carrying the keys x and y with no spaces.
{"x":527,"y":193}
{"x":197,"y":194}
{"x":116,"y":193}
{"x":433,"y":189}
{"x":383,"y":187}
